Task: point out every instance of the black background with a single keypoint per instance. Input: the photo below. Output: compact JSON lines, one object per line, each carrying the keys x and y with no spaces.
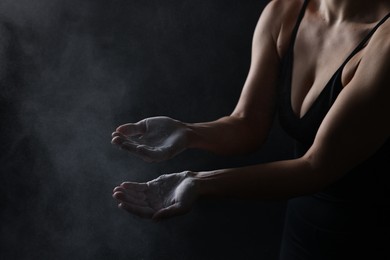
{"x":70,"y":73}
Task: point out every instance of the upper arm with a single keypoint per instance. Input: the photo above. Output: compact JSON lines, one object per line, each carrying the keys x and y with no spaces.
{"x":358,"y":123}
{"x":257,"y":100}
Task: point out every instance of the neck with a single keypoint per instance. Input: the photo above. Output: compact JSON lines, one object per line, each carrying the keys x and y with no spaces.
{"x":337,"y":11}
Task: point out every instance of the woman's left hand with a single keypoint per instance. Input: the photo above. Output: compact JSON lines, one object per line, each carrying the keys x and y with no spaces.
{"x":167,"y":196}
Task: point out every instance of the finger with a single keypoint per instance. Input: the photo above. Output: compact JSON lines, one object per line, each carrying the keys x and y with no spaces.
{"x":143,"y":212}
{"x":137,"y":195}
{"x":171,"y":211}
{"x":135,"y":186}
{"x":115,"y":134}
{"x":118,"y":140}
{"x":124,"y":197}
{"x":132,"y":128}
{"x":135,"y":139}
{"x":131,"y":147}
{"x":117,"y":188}
{"x":121,"y":139}
{"x":134,"y":193}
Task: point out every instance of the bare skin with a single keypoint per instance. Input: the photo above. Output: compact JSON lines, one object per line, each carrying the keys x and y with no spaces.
{"x":166,"y":196}
{"x":152,"y":139}
{"x":355,"y":127}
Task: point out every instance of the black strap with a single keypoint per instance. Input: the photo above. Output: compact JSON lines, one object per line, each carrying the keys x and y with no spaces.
{"x":299,"y":19}
{"x":365,"y":39}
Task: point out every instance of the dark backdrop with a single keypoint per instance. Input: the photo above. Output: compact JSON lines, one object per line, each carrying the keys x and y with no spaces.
{"x":70,"y":72}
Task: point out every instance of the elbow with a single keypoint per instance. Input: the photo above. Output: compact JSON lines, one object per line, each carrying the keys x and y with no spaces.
{"x":255,"y":143}
{"x":255,"y":132}
{"x":322,"y":173}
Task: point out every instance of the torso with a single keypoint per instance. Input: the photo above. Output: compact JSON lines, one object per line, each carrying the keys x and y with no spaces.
{"x":309,"y":85}
{"x":348,"y":214}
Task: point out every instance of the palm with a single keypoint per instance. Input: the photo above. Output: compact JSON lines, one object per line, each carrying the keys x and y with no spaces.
{"x":152,"y":139}
{"x":166,"y":191}
{"x":165,"y":196}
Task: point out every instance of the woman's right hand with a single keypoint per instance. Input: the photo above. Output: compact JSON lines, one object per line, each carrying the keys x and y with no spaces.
{"x":152,"y":139}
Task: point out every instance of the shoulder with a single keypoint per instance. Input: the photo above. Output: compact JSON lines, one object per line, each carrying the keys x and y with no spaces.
{"x":382,"y":36}
{"x":381,"y":39}
{"x":280,"y":17}
{"x":281,"y":11}
{"x":375,"y":63}
{"x":285,"y":5}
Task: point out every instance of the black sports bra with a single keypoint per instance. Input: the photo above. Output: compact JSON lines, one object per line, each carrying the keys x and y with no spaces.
{"x":305,"y":128}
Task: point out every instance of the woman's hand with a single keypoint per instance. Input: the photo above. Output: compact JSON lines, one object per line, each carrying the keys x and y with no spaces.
{"x":167,"y":196}
{"x":153,"y":139}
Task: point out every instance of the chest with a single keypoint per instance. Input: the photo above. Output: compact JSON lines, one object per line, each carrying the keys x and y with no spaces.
{"x":319,"y":51}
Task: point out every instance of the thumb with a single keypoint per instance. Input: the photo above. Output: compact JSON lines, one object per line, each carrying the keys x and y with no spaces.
{"x":171,"y":211}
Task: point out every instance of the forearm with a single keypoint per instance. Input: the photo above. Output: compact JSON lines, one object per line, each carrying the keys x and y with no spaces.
{"x":275,"y":180}
{"x":227,"y":136}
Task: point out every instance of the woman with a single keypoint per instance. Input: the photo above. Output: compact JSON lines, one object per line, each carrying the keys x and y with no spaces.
{"x":322,"y":66}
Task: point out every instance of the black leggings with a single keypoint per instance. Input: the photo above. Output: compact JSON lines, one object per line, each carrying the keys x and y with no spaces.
{"x":317,"y":229}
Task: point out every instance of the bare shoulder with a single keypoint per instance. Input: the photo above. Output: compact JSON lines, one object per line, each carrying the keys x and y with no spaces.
{"x":381,"y":38}
{"x":373,"y":70}
{"x":286,"y":5}
{"x":282,"y":16}
{"x":282,"y":11}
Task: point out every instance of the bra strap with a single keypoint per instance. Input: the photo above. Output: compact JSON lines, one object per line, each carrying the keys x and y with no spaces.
{"x":299,"y":19}
{"x":365,"y":39}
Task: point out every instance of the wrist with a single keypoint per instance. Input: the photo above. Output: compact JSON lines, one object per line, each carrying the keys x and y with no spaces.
{"x":191,"y":136}
{"x":203,"y":183}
